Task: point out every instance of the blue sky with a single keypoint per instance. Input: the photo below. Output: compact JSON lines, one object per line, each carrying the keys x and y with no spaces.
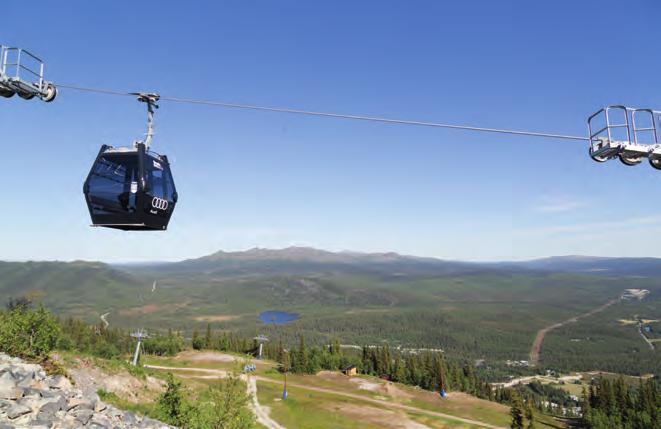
{"x":273,"y":180}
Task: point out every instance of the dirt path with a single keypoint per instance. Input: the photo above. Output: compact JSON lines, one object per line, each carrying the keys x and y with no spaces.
{"x":105,"y":322}
{"x":262,"y":413}
{"x":539,"y":338}
{"x":383,"y":403}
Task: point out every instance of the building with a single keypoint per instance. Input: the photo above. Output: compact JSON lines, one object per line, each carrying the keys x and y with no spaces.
{"x":350,"y":370}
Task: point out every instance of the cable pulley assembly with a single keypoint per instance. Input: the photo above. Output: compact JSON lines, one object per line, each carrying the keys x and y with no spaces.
{"x":22,"y":73}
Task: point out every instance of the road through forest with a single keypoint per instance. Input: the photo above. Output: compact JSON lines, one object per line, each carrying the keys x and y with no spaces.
{"x":539,"y":338}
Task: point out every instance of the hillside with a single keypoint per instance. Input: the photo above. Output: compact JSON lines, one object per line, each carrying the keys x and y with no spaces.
{"x":472,"y":311}
{"x":74,"y":288}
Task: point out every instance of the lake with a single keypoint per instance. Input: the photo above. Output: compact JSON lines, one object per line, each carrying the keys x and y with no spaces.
{"x":272,"y":317}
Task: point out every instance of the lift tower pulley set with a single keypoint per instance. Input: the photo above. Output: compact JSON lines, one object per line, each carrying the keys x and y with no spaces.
{"x":629,"y":134}
{"x":22,"y":73}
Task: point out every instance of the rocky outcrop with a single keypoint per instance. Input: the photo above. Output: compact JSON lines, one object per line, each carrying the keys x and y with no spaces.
{"x":31,"y":399}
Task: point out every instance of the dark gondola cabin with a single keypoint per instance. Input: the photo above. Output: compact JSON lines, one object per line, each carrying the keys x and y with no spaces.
{"x":130,"y":189}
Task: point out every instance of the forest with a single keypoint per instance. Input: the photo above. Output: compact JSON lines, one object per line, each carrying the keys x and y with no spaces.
{"x":33,"y":332}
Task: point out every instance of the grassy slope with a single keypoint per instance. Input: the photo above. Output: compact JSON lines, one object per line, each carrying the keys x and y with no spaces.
{"x":312,"y":409}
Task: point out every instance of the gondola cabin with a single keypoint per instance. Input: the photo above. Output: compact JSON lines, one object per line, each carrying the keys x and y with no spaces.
{"x":131,"y":189}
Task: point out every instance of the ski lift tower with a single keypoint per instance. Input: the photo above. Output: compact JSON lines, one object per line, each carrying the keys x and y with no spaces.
{"x":140,"y":335}
{"x":22,"y":73}
{"x":261,"y":339}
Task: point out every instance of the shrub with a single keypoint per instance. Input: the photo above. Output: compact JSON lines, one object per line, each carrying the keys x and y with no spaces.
{"x":28,"y":333}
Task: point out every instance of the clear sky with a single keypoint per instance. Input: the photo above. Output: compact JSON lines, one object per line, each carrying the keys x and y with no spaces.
{"x":262,"y":179}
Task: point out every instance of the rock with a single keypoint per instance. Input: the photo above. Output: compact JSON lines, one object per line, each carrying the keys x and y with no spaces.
{"x":17,"y":411}
{"x":100,"y":406}
{"x":29,"y":392}
{"x":151,"y":423}
{"x":30,"y":399}
{"x":51,"y":407}
{"x":7,"y":379}
{"x":26,"y":380}
{"x":129,"y":419}
{"x":59,"y":382}
{"x":8,"y":388}
{"x":11,"y":393}
{"x":100,"y":421}
{"x":40,"y":423}
{"x":84,"y":416}
{"x":79,"y":404}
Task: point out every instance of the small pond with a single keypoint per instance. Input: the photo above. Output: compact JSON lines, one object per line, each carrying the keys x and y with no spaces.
{"x":273,"y":317}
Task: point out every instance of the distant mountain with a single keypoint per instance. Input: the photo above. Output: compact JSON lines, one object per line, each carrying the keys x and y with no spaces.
{"x":305,"y":260}
{"x":308,"y":254}
{"x":644,"y":267}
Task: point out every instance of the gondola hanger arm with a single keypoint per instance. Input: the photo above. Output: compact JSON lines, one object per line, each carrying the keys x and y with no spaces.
{"x":150,"y":98}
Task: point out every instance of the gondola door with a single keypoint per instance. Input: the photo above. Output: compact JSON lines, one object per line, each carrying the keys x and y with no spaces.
{"x":159,"y":195}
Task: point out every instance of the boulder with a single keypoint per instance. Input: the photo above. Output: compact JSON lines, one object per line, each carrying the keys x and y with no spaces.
{"x":79,"y":404}
{"x":59,"y":382}
{"x":129,"y":419}
{"x":51,"y":407}
{"x":41,"y":423}
{"x":99,"y":421}
{"x":148,"y":423}
{"x":84,"y":416}
{"x":18,"y":410}
{"x":11,"y":393}
{"x":29,"y":392}
{"x":7,"y":384}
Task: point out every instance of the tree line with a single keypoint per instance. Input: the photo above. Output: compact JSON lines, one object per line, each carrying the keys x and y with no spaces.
{"x":612,"y":404}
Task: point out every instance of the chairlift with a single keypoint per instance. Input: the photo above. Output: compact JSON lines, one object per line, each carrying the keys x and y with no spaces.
{"x":131,"y":188}
{"x":625,"y":133}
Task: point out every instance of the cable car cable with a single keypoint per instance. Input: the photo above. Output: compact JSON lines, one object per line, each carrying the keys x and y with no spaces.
{"x":333,"y":115}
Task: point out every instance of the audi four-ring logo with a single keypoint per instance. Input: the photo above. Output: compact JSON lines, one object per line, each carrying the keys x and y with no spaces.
{"x":159,"y":203}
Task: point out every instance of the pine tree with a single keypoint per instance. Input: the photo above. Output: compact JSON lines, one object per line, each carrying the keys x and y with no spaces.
{"x":586,"y":407}
{"x":198,"y":343}
{"x":516,"y":412}
{"x":303,"y":358}
{"x":335,"y":347}
{"x":207,"y":337}
{"x":530,"y":415}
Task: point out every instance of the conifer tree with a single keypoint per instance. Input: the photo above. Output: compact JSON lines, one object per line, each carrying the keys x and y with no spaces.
{"x":530,"y":415}
{"x":516,"y":412}
{"x":207,"y":337}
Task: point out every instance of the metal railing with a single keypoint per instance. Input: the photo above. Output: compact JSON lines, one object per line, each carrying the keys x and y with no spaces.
{"x":630,"y":134}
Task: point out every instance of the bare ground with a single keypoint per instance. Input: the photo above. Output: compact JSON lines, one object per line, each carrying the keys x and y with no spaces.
{"x":89,"y":378}
{"x":377,"y":416}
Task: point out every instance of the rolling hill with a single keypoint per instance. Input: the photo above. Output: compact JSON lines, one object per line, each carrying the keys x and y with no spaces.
{"x":471,"y":310}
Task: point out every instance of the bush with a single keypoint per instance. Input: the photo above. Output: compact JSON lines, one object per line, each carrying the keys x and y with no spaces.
{"x":28,"y":333}
{"x":164,"y":345}
{"x":172,"y":403}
